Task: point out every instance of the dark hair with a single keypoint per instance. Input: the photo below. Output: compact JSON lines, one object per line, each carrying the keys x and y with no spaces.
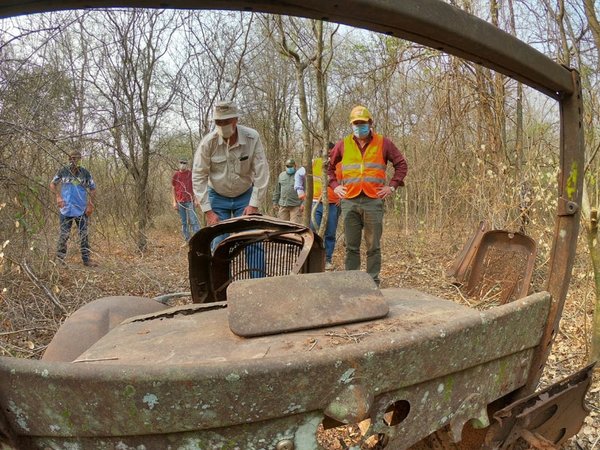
{"x":330,"y":145}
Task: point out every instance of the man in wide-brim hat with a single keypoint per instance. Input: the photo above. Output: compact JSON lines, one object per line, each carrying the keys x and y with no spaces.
{"x":231,"y":172}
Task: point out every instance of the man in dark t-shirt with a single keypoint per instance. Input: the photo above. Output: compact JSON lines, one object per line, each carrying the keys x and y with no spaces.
{"x":183,"y":199}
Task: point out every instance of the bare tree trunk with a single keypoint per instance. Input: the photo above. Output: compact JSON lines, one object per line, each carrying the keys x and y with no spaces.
{"x":594,"y":25}
{"x":323,"y":124}
{"x":136,"y":96}
{"x":300,"y":67}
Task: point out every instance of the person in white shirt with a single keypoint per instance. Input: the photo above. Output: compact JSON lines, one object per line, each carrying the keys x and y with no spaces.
{"x":230,"y":172}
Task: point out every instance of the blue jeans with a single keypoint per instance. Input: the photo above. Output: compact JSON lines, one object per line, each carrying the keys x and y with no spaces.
{"x":228,"y":207}
{"x":189,"y":219}
{"x":65,"y":230}
{"x":330,"y":230}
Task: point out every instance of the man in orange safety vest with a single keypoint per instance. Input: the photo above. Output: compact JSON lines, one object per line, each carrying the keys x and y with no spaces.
{"x":364,"y":155}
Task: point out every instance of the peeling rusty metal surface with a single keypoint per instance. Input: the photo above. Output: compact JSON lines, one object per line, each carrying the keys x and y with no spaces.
{"x":552,"y":415}
{"x":183,"y":378}
{"x":502,"y":267}
{"x":449,"y":401}
{"x":299,"y":302}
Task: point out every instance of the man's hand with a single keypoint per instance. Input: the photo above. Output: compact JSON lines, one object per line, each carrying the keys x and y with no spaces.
{"x":301,"y":195}
{"x":175,"y":206}
{"x":385,"y":191}
{"x":211,"y":217}
{"x":250,"y":210}
{"x":60,"y":202}
{"x":340,"y":191}
{"x":89,"y":209}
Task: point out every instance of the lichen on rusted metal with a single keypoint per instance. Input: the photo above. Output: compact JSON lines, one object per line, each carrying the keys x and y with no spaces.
{"x":185,"y":376}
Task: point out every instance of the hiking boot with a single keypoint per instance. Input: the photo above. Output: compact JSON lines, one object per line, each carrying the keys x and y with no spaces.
{"x":328,"y":265}
{"x":90,"y":264}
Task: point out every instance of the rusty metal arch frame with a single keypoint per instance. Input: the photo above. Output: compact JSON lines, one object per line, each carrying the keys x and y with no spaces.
{"x":441,"y":26}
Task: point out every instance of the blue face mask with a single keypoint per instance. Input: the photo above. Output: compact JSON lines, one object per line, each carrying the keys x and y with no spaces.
{"x":361,"y":130}
{"x":290,"y":170}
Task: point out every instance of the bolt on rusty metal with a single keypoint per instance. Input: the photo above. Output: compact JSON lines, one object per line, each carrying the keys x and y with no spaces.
{"x":286,"y":444}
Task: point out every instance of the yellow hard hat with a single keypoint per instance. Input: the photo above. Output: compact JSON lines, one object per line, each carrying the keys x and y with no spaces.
{"x":360,"y":113}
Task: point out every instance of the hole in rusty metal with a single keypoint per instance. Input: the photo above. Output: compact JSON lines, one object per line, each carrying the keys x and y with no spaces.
{"x":559,"y":435}
{"x":329,"y":423}
{"x":396,"y":413}
{"x":543,"y":416}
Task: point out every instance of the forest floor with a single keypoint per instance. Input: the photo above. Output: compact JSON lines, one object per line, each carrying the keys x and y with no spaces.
{"x":32,"y":305}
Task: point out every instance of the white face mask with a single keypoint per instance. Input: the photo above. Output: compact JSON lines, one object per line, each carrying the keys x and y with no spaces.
{"x":225,"y":131}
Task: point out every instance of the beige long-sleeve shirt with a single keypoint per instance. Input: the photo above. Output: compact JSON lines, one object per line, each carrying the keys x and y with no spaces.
{"x":230,"y":171}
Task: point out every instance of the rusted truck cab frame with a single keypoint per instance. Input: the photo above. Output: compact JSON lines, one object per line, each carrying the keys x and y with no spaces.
{"x":206,"y":405}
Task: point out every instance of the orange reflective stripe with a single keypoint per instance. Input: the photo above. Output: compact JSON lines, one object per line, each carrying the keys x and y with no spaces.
{"x":363,"y":173}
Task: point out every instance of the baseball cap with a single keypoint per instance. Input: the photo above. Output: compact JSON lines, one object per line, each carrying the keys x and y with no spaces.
{"x":290,"y":162}
{"x":360,"y":113}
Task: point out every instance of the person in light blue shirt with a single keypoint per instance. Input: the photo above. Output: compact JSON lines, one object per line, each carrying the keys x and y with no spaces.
{"x":75,"y":190}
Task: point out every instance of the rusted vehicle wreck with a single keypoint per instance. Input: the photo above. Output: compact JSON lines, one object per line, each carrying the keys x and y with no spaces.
{"x":251,"y":366}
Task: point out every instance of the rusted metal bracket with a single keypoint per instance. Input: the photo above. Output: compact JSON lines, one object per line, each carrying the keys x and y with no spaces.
{"x":551,"y":416}
{"x":567,"y":207}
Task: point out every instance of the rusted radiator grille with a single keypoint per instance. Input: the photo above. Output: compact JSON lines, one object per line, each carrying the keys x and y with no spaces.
{"x":264,"y":259}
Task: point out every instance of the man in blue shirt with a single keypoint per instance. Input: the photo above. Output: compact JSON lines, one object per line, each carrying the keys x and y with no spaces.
{"x":75,"y":198}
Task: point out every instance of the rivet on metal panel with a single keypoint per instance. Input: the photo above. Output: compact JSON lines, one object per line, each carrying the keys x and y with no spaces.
{"x":286,"y":444}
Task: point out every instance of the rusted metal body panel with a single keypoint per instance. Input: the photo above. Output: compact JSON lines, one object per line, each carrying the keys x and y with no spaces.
{"x":463,"y":261}
{"x":182,"y":376}
{"x":92,"y":321}
{"x":502,"y":266}
{"x":552,"y":415}
{"x":283,"y":304}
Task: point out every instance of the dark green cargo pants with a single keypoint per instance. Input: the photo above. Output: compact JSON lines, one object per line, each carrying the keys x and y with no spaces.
{"x":363,"y":213}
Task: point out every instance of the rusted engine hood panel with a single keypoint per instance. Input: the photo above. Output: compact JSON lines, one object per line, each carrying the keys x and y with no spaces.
{"x":181,"y":377}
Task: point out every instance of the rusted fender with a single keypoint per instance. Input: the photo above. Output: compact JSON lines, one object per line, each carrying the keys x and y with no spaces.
{"x":92,"y":321}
